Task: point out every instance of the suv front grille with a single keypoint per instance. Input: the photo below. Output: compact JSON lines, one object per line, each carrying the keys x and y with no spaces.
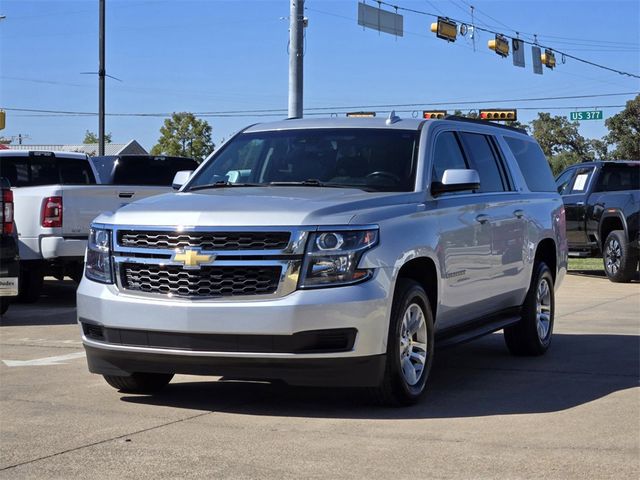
{"x":207,"y":282}
{"x":204,"y":240}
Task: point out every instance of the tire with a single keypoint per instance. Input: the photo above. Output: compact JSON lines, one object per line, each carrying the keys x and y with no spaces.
{"x":139,"y":382}
{"x":30,"y":281}
{"x":619,"y":258}
{"x":532,"y":335}
{"x":4,"y":305}
{"x":404,"y":386}
{"x":76,"y":271}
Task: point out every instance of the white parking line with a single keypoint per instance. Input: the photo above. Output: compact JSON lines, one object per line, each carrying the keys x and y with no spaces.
{"x":57,"y":360}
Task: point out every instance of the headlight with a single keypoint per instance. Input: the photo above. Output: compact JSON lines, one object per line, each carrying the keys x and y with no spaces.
{"x":98,"y":265}
{"x":332,"y":257}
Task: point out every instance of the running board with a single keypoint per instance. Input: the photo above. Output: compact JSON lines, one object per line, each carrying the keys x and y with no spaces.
{"x":466,"y":333}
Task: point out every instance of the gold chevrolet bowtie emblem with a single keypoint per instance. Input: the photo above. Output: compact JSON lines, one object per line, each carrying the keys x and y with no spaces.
{"x":192,"y":259}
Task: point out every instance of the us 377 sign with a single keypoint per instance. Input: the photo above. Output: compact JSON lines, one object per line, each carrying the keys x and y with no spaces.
{"x":588,"y":115}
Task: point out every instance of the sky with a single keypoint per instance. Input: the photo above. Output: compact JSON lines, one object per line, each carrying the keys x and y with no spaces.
{"x":213,"y":56}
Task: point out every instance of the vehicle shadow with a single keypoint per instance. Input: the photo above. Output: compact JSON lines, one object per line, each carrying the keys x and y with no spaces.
{"x":476,"y":379}
{"x":598,"y":274}
{"x":56,"y":306}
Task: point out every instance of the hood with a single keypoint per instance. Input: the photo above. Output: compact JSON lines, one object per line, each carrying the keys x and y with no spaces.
{"x":254,"y":206}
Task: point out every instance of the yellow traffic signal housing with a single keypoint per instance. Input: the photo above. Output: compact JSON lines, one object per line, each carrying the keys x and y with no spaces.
{"x":361,"y":114}
{"x":3,"y":117}
{"x":511,"y":114}
{"x":548,"y":59}
{"x":500,"y":45}
{"x":434,"y":114}
{"x":445,"y":29}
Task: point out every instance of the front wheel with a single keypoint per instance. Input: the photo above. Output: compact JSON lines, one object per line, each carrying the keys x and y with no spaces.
{"x":620,"y":258}
{"x":409,"y":346}
{"x":532,"y":334}
{"x":139,"y":382}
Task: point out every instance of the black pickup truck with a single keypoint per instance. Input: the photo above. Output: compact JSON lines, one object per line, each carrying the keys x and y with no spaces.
{"x":602,"y":205}
{"x":9,"y":264}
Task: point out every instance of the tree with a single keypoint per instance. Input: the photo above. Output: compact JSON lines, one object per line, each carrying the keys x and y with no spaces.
{"x":624,"y":131}
{"x":90,"y":137}
{"x":561,"y":142}
{"x":185,"y":136}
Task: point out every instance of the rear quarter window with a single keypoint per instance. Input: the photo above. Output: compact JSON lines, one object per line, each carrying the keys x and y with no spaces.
{"x":533,"y":164}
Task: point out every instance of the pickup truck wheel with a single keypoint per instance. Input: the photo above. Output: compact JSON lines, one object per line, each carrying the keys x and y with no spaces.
{"x":4,"y":305}
{"x":620,"y":258}
{"x":75,"y":272}
{"x":30,"y":282}
{"x":139,"y":382}
{"x":532,"y":334}
{"x":409,"y":347}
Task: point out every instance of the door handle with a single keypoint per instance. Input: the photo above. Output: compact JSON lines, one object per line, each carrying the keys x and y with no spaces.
{"x":126,"y":194}
{"x":482,"y":218}
{"x":519,"y":213}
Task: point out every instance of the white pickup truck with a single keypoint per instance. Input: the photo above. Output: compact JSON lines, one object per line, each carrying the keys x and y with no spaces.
{"x":56,"y":197}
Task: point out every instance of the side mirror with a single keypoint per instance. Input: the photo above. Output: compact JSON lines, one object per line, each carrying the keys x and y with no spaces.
{"x":456,"y":180}
{"x":181,"y":178}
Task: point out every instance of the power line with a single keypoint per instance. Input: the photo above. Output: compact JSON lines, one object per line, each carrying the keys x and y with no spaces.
{"x":495,"y":32}
{"x":283,"y":115}
{"x":325,"y":110}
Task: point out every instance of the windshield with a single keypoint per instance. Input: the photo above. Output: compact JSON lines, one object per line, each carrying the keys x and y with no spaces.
{"x":370,"y":159}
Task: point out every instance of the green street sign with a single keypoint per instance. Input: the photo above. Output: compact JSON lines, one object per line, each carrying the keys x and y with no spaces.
{"x":590,"y":115}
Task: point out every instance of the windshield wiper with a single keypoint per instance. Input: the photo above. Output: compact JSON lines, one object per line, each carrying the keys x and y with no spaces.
{"x":222,"y":184}
{"x":312,"y":182}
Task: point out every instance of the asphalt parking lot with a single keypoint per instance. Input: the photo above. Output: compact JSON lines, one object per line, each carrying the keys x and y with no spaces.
{"x":574,"y":413}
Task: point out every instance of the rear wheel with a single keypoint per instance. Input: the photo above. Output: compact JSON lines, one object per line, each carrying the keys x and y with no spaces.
{"x":409,"y":346}
{"x":620,"y":258}
{"x":139,"y":382}
{"x":30,"y":281}
{"x":4,"y":305}
{"x":532,"y":334}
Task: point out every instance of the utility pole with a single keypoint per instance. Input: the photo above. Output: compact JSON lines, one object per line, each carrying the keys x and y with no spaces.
{"x":296,"y":55}
{"x":101,"y":77}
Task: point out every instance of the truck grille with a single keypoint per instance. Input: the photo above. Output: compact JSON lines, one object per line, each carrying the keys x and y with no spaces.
{"x":204,"y":240}
{"x":207,"y":282}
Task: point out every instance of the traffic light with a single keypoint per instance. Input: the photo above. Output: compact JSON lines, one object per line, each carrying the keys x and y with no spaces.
{"x":445,"y":29}
{"x":548,"y":59}
{"x":500,"y":45}
{"x":2,"y":119}
{"x":361,"y":114}
{"x":511,"y":114}
{"x":434,"y":114}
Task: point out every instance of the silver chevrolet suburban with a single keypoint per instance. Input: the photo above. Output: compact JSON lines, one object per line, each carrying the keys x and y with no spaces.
{"x":335,"y":252}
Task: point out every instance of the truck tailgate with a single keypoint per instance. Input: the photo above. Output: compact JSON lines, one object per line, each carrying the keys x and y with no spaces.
{"x":83,"y":203}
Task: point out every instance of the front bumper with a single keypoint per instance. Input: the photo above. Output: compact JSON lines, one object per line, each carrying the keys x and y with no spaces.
{"x":364,"y":307}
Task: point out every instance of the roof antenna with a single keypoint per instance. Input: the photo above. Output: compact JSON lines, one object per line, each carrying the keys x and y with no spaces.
{"x":393,"y":118}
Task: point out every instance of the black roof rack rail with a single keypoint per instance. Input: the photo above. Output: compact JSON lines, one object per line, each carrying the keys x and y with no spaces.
{"x":458,"y":118}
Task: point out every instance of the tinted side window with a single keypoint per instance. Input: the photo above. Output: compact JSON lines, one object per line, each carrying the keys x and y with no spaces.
{"x":447,"y":155}
{"x":581,"y":182}
{"x":533,"y":164}
{"x":483,"y":160}
{"x":619,"y":177}
{"x":563,"y":181}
